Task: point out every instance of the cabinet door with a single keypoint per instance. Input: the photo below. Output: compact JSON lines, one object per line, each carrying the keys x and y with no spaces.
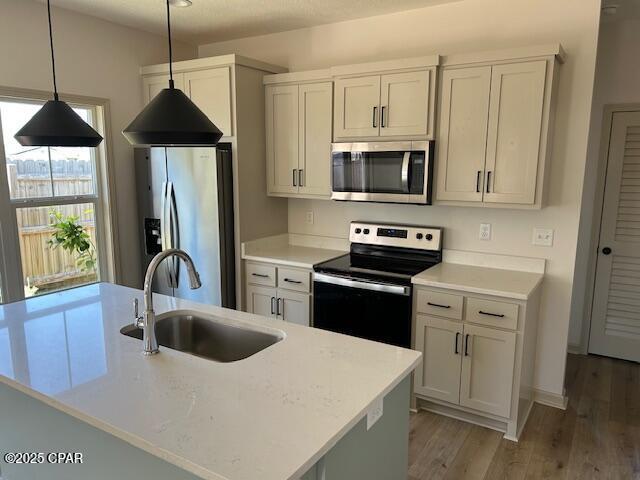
{"x":404,"y":104}
{"x":357,"y":107}
{"x":282,"y":138}
{"x":315,"y":107}
{"x":210,"y":90}
{"x":152,"y":85}
{"x":487,"y":369}
{"x":293,"y":307}
{"x":261,"y":300}
{"x":515,"y":124}
{"x":440,"y":342}
{"x":462,"y":136}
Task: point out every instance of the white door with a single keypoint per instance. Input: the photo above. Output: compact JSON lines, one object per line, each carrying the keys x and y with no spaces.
{"x":315,"y":115}
{"x":438,"y":374}
{"x":487,"y":369}
{"x":261,"y":300}
{"x":357,"y":107}
{"x":293,"y":307}
{"x":404,"y":104}
{"x":152,"y":85}
{"x":210,"y":90}
{"x":615,"y":319}
{"x":462,"y":137}
{"x":515,"y":125}
{"x":282,"y":138}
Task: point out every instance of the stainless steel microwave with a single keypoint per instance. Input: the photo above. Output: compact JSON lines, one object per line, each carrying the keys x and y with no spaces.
{"x":391,"y":172}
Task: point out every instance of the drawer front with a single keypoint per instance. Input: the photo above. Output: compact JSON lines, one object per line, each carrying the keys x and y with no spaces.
{"x":440,"y":304}
{"x":492,"y":313}
{"x":298,"y":280}
{"x":261,"y":274}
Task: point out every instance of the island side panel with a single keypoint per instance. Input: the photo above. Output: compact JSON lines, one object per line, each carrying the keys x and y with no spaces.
{"x":28,"y":425}
{"x":381,"y":453}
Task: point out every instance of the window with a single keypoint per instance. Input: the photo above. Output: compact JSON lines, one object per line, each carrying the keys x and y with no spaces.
{"x":54,"y":201}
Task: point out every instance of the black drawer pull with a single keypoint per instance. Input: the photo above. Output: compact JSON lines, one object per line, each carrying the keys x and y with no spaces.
{"x":438,"y":305}
{"x":261,"y":275}
{"x":499,"y":315}
{"x":466,"y":345}
{"x":297,"y":282}
{"x":455,"y":345}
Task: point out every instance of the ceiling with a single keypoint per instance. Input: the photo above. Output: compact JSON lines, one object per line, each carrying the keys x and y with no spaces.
{"x":209,"y":21}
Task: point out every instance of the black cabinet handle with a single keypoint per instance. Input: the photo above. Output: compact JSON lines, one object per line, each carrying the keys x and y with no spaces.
{"x":279,"y":311}
{"x":273,"y":308}
{"x":606,"y":251}
{"x":297,"y":282}
{"x":300,"y":178}
{"x":478,"y":181}
{"x":260,"y":275}
{"x":499,"y":315}
{"x":466,"y":345}
{"x":382,"y":117}
{"x":375,"y":111}
{"x":488,"y":180}
{"x":438,"y":305}
{"x":455,"y":345}
{"x":294,"y":177}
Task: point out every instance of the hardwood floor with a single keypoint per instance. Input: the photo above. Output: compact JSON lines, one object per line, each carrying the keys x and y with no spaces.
{"x":597,"y":437}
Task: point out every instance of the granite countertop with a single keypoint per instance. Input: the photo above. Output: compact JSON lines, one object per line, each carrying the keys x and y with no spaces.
{"x":271,"y":416}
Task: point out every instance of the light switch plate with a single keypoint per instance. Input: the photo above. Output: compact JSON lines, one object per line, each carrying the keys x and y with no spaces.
{"x":485,"y":231}
{"x":543,"y":237}
{"x":309,"y":218}
{"x":375,"y":412}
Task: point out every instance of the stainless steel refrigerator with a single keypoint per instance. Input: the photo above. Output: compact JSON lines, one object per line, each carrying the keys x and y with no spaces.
{"x":185,"y":200}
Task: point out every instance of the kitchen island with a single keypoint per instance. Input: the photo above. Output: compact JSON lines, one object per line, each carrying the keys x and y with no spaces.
{"x":71,"y":382}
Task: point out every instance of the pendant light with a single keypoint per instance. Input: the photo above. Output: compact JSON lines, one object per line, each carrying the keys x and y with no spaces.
{"x":171,"y":118}
{"x":56,"y":124}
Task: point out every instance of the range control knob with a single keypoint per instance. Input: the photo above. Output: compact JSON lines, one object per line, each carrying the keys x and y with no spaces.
{"x":358,"y":230}
{"x":419,"y":236}
{"x":366,"y":231}
{"x":429,"y":237}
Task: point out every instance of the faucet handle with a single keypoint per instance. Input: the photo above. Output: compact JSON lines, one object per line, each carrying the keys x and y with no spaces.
{"x":137,"y":319}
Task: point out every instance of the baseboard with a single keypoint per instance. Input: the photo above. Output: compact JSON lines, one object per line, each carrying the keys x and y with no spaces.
{"x":550,"y":399}
{"x":574,"y":349}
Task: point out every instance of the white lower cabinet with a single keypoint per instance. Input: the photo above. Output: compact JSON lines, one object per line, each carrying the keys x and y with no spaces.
{"x":290,"y":301}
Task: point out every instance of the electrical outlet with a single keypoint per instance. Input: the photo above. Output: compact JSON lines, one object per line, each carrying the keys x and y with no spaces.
{"x":309,"y":218}
{"x":375,"y":412}
{"x":485,"y":231}
{"x":543,"y":237}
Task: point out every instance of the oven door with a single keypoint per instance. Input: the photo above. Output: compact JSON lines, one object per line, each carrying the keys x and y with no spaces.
{"x":375,"y":311}
{"x":398,"y":172}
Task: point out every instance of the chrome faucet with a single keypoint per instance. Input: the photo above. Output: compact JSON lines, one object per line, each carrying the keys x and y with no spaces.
{"x":148,"y":320}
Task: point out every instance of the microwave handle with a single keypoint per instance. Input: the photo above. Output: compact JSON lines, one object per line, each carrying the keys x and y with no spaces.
{"x":405,"y":171}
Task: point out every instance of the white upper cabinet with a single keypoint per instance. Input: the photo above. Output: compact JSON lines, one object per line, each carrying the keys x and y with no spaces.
{"x":357,"y":107}
{"x":389,"y":105}
{"x":515,"y":123}
{"x":299,"y":139}
{"x":152,"y":85}
{"x":210,"y":90}
{"x":462,"y":135}
{"x":404,"y":100}
{"x":495,"y":124}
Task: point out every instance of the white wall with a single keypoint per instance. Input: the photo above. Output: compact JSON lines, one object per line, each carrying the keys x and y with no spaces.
{"x":617,"y":81}
{"x":93,"y":58}
{"x":470,"y":25}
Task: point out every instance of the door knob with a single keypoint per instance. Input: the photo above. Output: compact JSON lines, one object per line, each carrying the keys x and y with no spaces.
{"x":606,"y":250}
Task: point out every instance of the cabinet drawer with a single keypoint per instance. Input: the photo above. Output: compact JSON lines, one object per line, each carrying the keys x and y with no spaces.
{"x":492,"y":313}
{"x":440,"y":304}
{"x":298,"y":280}
{"x":261,"y":274}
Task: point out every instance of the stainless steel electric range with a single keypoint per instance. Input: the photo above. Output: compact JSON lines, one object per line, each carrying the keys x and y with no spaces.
{"x":367,"y":292}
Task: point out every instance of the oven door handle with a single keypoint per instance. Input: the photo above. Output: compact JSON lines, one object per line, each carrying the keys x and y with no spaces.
{"x":362,"y":284}
{"x":405,"y":171}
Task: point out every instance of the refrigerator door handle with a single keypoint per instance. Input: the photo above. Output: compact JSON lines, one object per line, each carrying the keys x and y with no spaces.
{"x":172,"y":228}
{"x":164,"y":232}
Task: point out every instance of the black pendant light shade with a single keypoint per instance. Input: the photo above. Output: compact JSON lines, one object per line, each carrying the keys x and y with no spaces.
{"x":57,"y":125}
{"x":172,"y":119}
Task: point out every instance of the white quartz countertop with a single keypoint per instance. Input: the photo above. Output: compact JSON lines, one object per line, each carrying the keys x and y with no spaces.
{"x":270,"y":416}
{"x":292,"y":255}
{"x":488,"y":281}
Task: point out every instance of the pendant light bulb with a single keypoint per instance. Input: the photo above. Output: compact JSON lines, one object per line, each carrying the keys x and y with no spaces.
{"x":56,"y":124}
{"x":171,"y":118}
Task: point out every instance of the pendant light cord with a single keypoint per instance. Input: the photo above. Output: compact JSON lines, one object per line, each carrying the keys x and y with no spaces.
{"x":170,"y":50}
{"x":53,"y":59}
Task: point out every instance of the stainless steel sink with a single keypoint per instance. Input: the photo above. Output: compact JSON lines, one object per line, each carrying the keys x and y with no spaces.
{"x":194,"y":333}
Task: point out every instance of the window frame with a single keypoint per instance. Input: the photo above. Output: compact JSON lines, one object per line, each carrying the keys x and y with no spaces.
{"x":103,"y":199}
